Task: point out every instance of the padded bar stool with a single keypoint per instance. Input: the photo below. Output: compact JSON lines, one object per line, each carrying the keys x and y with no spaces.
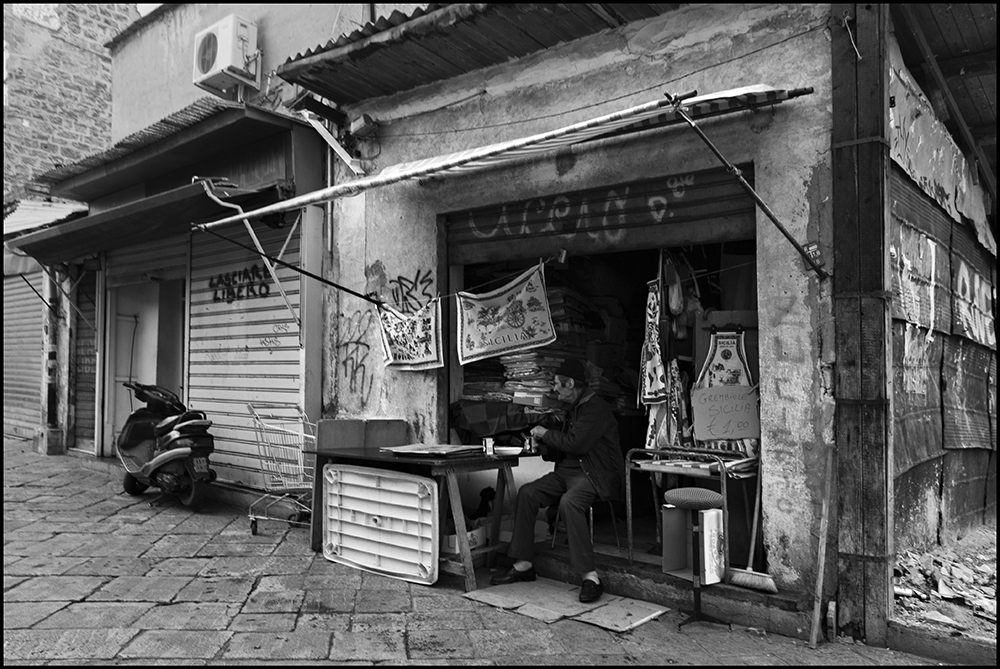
{"x":695,"y":500}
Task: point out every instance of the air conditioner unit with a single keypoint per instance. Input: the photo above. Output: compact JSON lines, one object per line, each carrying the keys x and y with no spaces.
{"x":226,"y":56}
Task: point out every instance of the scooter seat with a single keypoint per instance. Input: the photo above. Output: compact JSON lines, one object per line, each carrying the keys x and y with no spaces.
{"x":168,"y":423}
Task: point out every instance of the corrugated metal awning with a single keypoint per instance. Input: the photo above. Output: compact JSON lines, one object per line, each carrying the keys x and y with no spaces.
{"x":650,"y":115}
{"x":158,"y":217}
{"x":207,"y":127}
{"x":31,"y":214}
{"x":401,"y":52}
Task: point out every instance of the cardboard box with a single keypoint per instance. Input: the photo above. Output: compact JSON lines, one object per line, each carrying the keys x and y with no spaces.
{"x":677,"y":544}
{"x":449,"y":542}
{"x":536,"y":400}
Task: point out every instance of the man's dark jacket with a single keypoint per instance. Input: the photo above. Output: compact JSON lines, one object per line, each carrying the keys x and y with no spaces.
{"x":591,"y":434}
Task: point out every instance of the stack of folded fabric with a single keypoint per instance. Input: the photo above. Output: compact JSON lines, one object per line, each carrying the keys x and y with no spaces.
{"x":484,"y":382}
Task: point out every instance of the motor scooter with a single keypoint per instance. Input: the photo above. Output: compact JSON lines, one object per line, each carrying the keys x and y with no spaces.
{"x":165,"y":445}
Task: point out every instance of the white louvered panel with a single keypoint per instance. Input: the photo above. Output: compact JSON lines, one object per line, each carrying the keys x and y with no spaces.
{"x":23,"y":356}
{"x":162,"y":260}
{"x":244,"y":343}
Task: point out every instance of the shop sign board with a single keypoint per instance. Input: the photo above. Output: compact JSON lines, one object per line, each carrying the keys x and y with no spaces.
{"x":725,"y":412}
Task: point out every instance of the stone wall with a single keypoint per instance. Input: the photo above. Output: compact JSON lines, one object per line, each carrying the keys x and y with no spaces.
{"x":57,"y":85}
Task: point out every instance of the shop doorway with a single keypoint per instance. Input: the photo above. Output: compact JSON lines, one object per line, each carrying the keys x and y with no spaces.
{"x":145,"y":345}
{"x":598,"y":303}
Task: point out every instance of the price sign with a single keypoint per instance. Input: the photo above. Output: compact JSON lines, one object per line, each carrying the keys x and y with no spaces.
{"x":725,"y":412}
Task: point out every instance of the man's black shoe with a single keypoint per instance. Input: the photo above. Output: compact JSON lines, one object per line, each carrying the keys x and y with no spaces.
{"x":590,"y":591}
{"x":513,"y":576}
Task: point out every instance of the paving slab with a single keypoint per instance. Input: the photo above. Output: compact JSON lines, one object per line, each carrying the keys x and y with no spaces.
{"x":141,"y":589}
{"x":22,"y":615}
{"x":216,"y":548}
{"x":96,"y":615}
{"x":329,"y":601}
{"x":111,"y":566}
{"x":175,"y":644}
{"x":309,"y":645}
{"x":216,"y":589}
{"x":439,"y":644}
{"x":495,"y":643}
{"x":54,"y":588}
{"x":41,"y":565}
{"x":75,"y":644}
{"x":255,"y":566}
{"x":177,"y":567}
{"x":442,"y":619}
{"x":175,"y":546}
{"x":378,"y":601}
{"x":274,"y":601}
{"x":368,"y":646}
{"x":323,"y":622}
{"x":188,"y":616}
{"x":266,"y":622}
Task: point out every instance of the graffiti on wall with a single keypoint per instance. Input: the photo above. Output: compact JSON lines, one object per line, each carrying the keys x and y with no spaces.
{"x":410,"y":294}
{"x":600,"y":215}
{"x":353,"y":351}
{"x":240,"y":284}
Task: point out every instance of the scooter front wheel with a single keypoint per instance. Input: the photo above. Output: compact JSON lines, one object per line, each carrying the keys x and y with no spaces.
{"x":132,"y":485}
{"x":192,"y":495}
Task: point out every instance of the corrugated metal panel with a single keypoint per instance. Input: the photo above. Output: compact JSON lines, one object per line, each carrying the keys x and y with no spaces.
{"x":916,"y":387}
{"x":919,"y":256}
{"x":244,"y":343}
{"x":85,"y":365}
{"x":696,"y":207}
{"x":966,"y":371}
{"x":23,"y":357}
{"x":972,"y":269}
{"x":157,"y":260}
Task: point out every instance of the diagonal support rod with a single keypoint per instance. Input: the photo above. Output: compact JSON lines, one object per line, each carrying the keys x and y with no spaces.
{"x":260,"y":249}
{"x":820,"y":272}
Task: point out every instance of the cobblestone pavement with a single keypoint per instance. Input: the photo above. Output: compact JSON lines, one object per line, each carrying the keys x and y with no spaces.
{"x":94,"y":576}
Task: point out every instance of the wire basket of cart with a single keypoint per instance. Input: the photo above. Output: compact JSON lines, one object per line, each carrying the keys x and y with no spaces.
{"x":288,"y":477}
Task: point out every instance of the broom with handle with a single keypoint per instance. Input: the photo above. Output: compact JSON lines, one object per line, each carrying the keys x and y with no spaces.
{"x":748,"y":578}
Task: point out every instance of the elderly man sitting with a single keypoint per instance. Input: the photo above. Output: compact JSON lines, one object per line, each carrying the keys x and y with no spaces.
{"x":589,"y":466}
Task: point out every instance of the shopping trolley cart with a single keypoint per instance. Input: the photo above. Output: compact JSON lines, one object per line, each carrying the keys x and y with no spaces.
{"x":288,"y":478}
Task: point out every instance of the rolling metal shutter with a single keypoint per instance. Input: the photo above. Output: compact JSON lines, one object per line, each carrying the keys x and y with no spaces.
{"x":244,"y":343}
{"x":85,"y":366}
{"x":23,"y":355}
{"x":689,"y":208}
{"x":161,"y":260}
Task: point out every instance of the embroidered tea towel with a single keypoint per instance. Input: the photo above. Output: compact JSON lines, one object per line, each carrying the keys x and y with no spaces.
{"x":513,"y":318}
{"x":412,"y":342}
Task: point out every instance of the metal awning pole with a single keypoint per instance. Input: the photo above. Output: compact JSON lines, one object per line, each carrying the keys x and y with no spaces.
{"x":51,"y":308}
{"x":69,"y":300}
{"x":747,"y":187}
{"x":260,"y":250}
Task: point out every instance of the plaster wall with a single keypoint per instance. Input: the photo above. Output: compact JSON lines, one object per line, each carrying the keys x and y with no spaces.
{"x":152,"y":68}
{"x":387,"y":240}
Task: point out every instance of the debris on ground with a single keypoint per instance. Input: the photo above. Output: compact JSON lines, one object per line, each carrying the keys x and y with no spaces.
{"x":951,"y":588}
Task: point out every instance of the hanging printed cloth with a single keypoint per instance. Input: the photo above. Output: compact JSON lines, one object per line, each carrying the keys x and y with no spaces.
{"x":726,"y":365}
{"x":513,"y":318}
{"x":652,"y":374}
{"x":412,"y":342}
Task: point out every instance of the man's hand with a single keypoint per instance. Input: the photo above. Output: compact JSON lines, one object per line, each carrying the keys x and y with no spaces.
{"x":539,"y":432}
